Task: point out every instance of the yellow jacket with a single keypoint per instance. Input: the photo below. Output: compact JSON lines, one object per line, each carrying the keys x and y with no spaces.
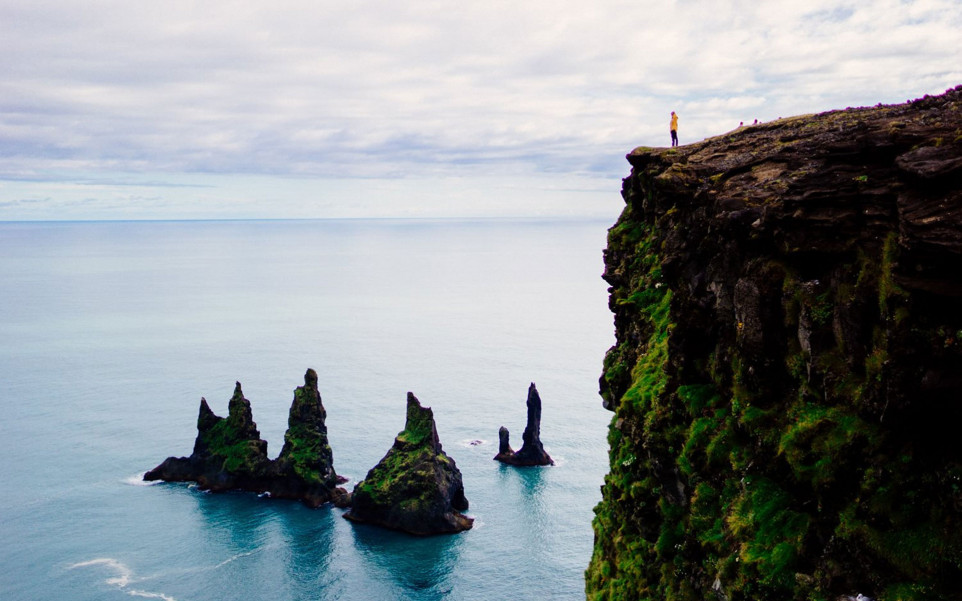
{"x":674,"y":122}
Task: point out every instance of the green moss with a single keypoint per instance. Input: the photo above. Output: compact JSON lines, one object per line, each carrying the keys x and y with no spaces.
{"x":771,"y":532}
{"x":306,"y":456}
{"x":698,"y":397}
{"x":402,"y":478}
{"x":888,"y":290}
{"x":419,"y":426}
{"x":822,"y":308}
{"x":816,"y":437}
{"x":414,"y":473}
{"x":236,"y":453}
{"x":648,"y":376}
{"x":306,"y":448}
{"x":619,"y":557}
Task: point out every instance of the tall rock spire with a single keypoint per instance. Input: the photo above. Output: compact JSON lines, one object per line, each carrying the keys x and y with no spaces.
{"x":305,"y":467}
{"x":416,"y":487}
{"x":532,"y":451}
{"x":229,"y":453}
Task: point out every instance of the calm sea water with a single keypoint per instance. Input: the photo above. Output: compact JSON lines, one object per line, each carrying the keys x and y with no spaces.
{"x":111,"y":332}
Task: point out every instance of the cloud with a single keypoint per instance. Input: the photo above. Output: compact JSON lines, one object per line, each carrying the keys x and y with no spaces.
{"x":375,"y":89}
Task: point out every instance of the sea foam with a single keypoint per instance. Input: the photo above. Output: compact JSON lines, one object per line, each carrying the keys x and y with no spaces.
{"x":138,"y":480}
{"x":123,"y":578}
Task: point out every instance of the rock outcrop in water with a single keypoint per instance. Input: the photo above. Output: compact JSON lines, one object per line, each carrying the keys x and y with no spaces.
{"x":229,"y":453}
{"x":416,"y":487}
{"x":787,"y":376}
{"x":305,"y":468}
{"x":532,"y":451}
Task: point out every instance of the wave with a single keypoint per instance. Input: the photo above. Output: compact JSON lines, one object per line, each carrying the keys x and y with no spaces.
{"x":233,"y":559}
{"x":138,"y":480}
{"x":473,"y":442}
{"x":478,"y":522}
{"x":123,"y":579}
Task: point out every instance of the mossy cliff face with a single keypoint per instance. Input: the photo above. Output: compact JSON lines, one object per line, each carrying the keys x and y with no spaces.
{"x":787,"y":378}
{"x":416,"y":487}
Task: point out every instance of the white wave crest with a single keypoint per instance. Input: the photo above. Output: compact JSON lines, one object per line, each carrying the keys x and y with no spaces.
{"x":122,"y":579}
{"x":138,"y":480}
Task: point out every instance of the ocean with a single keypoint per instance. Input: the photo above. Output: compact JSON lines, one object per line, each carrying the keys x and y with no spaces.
{"x":111,"y":332}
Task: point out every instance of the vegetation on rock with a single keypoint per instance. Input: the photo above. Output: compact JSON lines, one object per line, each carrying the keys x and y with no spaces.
{"x":416,"y":487}
{"x":788,"y":364}
{"x":230,"y":455}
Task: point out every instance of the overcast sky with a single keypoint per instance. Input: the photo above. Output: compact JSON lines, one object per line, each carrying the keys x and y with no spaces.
{"x":176,"y":109}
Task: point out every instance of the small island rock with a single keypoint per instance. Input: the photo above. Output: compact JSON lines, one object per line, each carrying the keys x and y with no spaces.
{"x":229,"y":453}
{"x":532,"y":451}
{"x":305,"y":468}
{"x":416,"y":487}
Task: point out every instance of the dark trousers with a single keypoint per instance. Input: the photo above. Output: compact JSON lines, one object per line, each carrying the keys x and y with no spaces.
{"x":674,"y":137}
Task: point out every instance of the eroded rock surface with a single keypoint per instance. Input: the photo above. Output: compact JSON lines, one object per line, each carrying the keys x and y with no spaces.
{"x":416,"y":487}
{"x":532,"y":451}
{"x":230,"y":455}
{"x":785,"y":378}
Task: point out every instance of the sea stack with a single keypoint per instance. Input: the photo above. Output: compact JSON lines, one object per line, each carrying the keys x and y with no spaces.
{"x":416,"y":487}
{"x":532,"y":451}
{"x":305,"y":468}
{"x":229,"y":453}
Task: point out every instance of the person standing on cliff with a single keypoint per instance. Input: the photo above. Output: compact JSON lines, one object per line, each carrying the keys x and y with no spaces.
{"x":674,"y":129}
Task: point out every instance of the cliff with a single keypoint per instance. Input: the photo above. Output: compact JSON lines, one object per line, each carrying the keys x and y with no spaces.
{"x":229,"y":453}
{"x":787,"y":375}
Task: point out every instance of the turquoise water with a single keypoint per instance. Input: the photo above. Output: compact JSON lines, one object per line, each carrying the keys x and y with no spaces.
{"x":111,"y":332}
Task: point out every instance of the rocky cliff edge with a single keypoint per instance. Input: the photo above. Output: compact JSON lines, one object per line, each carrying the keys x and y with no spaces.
{"x":787,"y":375}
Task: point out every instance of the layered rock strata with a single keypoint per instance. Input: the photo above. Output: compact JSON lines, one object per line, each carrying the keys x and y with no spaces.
{"x":230,"y":455}
{"x":416,"y":487}
{"x":532,"y":451}
{"x":786,"y":376}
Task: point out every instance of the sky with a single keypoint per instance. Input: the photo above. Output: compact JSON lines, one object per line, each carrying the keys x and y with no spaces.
{"x":132,"y":109}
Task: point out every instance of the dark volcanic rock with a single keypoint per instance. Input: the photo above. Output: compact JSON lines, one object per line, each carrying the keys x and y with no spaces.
{"x":416,"y":487}
{"x":230,"y":455}
{"x":228,"y":452}
{"x":305,"y":468}
{"x":532,"y":451}
{"x":504,"y":444}
{"x":785,"y":379}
